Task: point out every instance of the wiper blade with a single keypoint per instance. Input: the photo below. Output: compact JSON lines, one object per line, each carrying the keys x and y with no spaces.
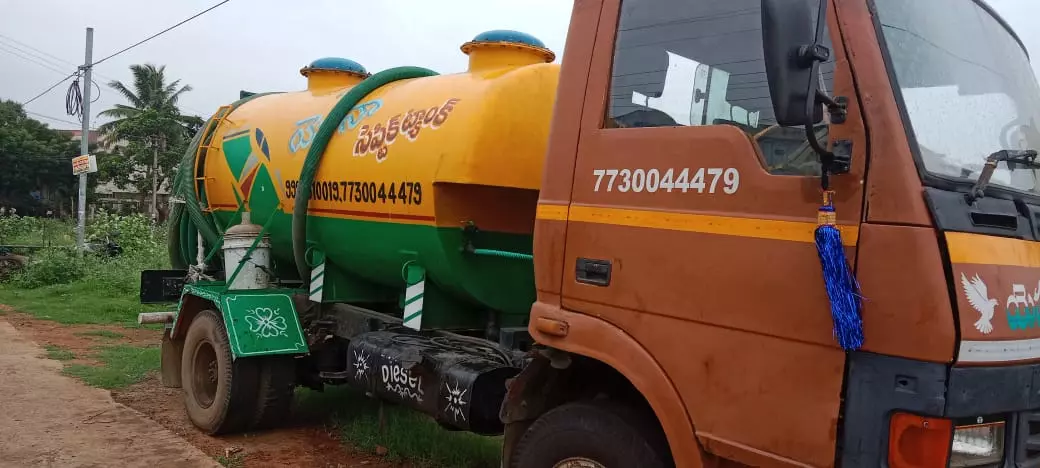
{"x":1013,"y":158}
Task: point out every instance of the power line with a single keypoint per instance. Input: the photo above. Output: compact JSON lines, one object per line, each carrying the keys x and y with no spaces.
{"x":28,"y":58}
{"x":55,"y":58}
{"x":53,"y":118}
{"x":163,"y":31}
{"x":55,"y":85}
{"x":98,"y":62}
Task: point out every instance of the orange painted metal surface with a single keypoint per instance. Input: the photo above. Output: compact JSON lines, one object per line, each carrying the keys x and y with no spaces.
{"x":610,"y":344}
{"x":998,"y":298}
{"x":723,"y":291}
{"x":894,"y":186}
{"x":904,"y":299}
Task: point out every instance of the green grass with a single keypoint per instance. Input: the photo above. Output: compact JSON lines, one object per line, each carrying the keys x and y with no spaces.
{"x":59,"y":353}
{"x":234,"y":461}
{"x":103,"y":334}
{"x":406,"y":434}
{"x":75,"y":304}
{"x":122,"y":365}
{"x":43,"y":231}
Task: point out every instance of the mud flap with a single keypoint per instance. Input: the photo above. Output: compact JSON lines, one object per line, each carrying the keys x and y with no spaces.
{"x":170,"y":359}
{"x":258,"y":323}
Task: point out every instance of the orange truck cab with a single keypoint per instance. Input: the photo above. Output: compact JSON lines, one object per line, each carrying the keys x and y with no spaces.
{"x":682,"y":311}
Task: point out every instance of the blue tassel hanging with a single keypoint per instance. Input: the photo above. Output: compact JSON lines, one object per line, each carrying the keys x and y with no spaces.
{"x":842,"y":287}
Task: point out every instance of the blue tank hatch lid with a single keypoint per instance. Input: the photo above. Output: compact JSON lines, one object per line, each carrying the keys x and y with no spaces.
{"x":505,"y":35}
{"x":335,"y":64}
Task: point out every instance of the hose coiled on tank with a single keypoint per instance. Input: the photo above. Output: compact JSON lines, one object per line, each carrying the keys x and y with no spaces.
{"x":321,"y":141}
{"x":180,"y":241}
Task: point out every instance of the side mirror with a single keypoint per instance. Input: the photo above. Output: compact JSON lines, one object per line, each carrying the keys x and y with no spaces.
{"x":792,"y":58}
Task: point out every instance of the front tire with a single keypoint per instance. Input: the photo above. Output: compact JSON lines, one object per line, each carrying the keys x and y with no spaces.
{"x":219,"y":392}
{"x":592,"y":435}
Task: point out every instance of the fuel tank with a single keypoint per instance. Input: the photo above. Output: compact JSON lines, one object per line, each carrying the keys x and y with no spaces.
{"x":439,"y":172}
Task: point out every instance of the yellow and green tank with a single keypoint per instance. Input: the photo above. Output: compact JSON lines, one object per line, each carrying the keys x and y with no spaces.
{"x":439,"y":172}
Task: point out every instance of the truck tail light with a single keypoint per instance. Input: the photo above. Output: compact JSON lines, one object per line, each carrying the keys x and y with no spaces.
{"x":918,"y":441}
{"x":977,"y":445}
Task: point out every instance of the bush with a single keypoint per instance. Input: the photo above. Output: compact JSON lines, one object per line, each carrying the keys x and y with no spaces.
{"x":133,"y":232}
{"x":28,"y":230}
{"x":50,"y":266}
{"x":14,"y":226}
{"x":143,"y":249}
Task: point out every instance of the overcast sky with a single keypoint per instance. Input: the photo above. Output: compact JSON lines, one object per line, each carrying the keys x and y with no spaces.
{"x":260,"y":45}
{"x":255,"y":45}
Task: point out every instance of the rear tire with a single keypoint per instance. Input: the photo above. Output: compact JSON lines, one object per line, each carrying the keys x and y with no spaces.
{"x":220,"y":393}
{"x":275,"y":391}
{"x":592,"y":435}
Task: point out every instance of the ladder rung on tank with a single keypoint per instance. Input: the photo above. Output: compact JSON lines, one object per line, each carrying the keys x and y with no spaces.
{"x":204,"y":148}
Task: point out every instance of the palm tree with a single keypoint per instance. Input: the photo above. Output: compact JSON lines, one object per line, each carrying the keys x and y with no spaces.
{"x":152,"y":119}
{"x":151,"y":97}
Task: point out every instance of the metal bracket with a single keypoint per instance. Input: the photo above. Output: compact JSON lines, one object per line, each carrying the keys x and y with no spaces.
{"x":842,"y":162}
{"x":840,"y":110}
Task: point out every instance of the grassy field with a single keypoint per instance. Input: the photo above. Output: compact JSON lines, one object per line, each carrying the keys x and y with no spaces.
{"x":87,"y":291}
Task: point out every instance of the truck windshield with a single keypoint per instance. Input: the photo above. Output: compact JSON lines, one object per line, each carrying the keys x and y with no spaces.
{"x":966,"y":84}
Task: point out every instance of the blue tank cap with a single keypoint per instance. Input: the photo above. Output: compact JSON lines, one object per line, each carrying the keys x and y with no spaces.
{"x":335,"y":64}
{"x":505,"y":35}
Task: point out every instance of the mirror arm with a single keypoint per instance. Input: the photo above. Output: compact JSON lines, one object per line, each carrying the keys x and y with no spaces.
{"x":838,"y":109}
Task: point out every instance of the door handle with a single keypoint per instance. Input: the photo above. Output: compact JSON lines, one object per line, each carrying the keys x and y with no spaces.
{"x":592,"y":271}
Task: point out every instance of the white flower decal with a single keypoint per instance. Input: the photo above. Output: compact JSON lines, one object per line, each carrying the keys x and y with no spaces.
{"x":265,"y":322}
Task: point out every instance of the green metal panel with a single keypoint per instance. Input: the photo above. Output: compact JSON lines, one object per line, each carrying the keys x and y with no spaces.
{"x":261,"y":322}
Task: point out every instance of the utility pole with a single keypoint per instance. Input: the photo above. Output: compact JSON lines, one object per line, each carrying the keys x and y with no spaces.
{"x":84,"y":144}
{"x":155,"y":180}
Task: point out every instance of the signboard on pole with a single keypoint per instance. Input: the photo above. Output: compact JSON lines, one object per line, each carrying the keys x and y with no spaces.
{"x":84,"y":164}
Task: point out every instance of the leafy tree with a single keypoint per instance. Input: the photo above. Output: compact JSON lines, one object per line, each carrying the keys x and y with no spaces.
{"x":36,"y":164}
{"x":151,"y":126}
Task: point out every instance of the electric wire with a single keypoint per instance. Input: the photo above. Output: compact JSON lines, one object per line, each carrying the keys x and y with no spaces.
{"x":74,"y":100}
{"x":50,"y":59}
{"x":28,"y":58}
{"x":52,"y":118}
{"x":53,"y":58}
{"x":55,"y":85}
{"x":162,"y":32}
{"x":97,"y":62}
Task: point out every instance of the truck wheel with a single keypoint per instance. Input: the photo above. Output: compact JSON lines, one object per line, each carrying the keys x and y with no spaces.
{"x":219,"y":392}
{"x":275,"y":391}
{"x":592,"y":435}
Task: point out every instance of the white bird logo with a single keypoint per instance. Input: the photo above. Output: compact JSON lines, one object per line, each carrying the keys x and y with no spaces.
{"x":975,"y":291}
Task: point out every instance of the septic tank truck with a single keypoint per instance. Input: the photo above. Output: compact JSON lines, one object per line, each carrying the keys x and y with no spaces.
{"x":721,"y":233}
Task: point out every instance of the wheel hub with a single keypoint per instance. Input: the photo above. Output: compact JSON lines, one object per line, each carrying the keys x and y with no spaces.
{"x":205,"y":374}
{"x":578,"y":462}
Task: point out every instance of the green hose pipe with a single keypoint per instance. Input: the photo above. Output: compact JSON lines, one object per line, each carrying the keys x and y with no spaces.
{"x":184,"y":187}
{"x":321,"y":141}
{"x":174,"y":223}
{"x":501,"y":254}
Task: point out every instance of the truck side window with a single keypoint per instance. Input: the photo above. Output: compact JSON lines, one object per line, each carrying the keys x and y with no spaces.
{"x":686,"y":62}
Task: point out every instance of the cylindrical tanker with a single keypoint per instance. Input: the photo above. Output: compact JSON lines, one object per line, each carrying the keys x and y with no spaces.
{"x":439,"y":172}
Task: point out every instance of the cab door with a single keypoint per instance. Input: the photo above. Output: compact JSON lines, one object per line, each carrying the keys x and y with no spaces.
{"x":692,"y":217}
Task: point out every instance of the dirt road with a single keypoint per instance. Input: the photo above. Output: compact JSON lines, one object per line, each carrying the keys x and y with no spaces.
{"x":48,"y":420}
